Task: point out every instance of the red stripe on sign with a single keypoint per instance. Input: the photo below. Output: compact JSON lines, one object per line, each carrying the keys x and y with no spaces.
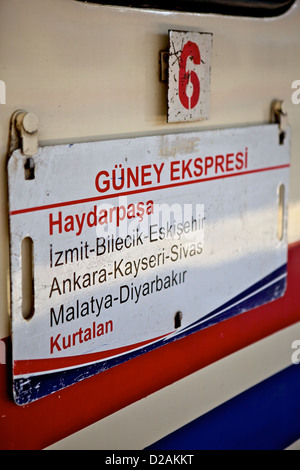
{"x":35,"y":366}
{"x":143,"y":190}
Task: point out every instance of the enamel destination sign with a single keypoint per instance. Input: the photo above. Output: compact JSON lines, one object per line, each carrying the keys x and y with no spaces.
{"x":122,"y":246}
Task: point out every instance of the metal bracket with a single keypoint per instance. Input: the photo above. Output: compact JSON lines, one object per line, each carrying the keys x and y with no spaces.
{"x":24,"y":133}
{"x":279,"y":116}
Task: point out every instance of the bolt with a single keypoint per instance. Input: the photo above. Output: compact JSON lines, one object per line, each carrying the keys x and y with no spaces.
{"x":30,"y":123}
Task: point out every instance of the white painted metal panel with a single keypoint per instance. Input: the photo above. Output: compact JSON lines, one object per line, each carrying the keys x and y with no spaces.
{"x":119,"y":93}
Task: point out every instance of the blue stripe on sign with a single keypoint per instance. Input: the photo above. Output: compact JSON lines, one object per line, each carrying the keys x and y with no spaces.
{"x":265,"y":417}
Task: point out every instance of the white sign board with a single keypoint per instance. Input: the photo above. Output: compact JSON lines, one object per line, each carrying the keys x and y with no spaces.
{"x":189,"y":76}
{"x":139,"y":242}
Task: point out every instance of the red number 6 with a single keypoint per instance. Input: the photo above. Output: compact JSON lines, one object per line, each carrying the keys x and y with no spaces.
{"x":190,"y":49}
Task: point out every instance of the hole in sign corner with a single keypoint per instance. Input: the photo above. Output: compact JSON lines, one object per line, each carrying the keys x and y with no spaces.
{"x":27,"y":278}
